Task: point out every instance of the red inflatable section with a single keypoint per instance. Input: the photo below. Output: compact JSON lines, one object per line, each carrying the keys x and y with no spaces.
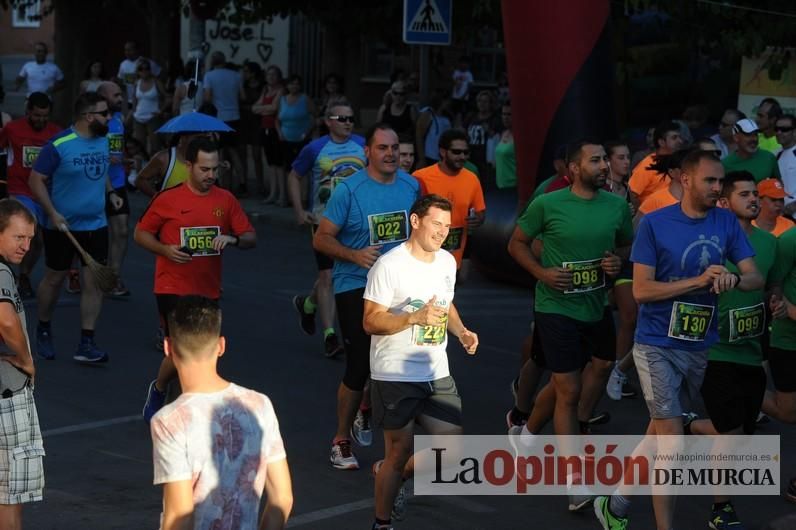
{"x":546,"y":44}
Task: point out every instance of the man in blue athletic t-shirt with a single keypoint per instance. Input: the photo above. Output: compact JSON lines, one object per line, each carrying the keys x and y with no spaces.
{"x":69,"y":180}
{"x":678,"y":272}
{"x":328,"y":160}
{"x":117,"y":217}
{"x":367,"y":215}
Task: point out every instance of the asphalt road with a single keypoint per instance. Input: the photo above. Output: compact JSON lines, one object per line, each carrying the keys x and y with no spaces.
{"x":98,"y":464}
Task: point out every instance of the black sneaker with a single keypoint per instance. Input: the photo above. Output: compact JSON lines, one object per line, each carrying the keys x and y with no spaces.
{"x":600,"y":418}
{"x":332,"y":346}
{"x":306,"y":320}
{"x":628,"y":391}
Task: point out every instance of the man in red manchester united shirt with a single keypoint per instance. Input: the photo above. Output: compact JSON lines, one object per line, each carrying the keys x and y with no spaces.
{"x":24,"y":139}
{"x":188,"y":227}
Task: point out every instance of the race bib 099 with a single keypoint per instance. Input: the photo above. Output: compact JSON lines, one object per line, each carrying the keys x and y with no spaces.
{"x":747,"y":322}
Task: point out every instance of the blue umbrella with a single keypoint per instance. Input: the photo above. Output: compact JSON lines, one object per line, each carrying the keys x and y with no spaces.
{"x":194,"y":122}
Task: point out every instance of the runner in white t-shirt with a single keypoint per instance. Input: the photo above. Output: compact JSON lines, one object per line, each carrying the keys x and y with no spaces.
{"x":129,"y":66}
{"x":40,"y":75}
{"x":408,"y":312}
{"x":217,"y":440}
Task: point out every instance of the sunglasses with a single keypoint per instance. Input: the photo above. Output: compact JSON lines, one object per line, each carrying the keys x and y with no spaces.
{"x":460,"y":151}
{"x":783,"y":129}
{"x":342,"y":119}
{"x":105,"y":113}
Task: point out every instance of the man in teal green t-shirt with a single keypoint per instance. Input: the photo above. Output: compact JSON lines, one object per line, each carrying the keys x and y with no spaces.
{"x":735,"y":381}
{"x":585,"y":230}
{"x":748,"y":155}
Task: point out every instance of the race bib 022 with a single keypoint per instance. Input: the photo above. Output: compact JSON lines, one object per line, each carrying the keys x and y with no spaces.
{"x":390,"y":227}
{"x":690,"y":321}
{"x":199,"y":239}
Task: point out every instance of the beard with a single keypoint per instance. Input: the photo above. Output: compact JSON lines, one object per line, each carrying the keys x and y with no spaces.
{"x":99,"y":129}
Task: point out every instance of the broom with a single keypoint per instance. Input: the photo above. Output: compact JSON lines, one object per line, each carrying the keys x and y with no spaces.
{"x":106,"y":277}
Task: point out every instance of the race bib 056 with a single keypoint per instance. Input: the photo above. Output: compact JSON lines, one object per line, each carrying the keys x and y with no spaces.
{"x":199,"y":239}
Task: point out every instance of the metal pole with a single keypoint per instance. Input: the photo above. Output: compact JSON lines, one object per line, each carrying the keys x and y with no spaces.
{"x":424,"y":74}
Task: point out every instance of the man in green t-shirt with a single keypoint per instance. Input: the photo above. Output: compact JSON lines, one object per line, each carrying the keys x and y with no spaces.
{"x":735,"y":381}
{"x":748,"y":155}
{"x":585,"y":230}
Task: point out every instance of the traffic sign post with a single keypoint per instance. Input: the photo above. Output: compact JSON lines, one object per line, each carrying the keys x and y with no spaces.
{"x":427,"y":22}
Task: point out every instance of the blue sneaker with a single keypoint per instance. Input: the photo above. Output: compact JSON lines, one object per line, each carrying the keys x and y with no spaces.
{"x":44,"y":343}
{"x":87,"y":352}
{"x":154,"y":401}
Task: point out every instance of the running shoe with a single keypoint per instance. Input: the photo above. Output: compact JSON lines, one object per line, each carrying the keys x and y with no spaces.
{"x":613,"y":388}
{"x":600,"y":418}
{"x":360,"y":430}
{"x":120,"y":290}
{"x":515,"y":387}
{"x":44,"y":343}
{"x":515,"y":417}
{"x":306,"y":320}
{"x":88,"y":352}
{"x":399,"y":504}
{"x":331,"y":346}
{"x":342,"y":457}
{"x":628,"y":391}
{"x":25,"y":288}
{"x":154,"y":401}
{"x":725,"y":519}
{"x":514,"y":440}
{"x":608,"y":520}
{"x":579,"y":498}
{"x":762,"y":418}
{"x":73,"y":285}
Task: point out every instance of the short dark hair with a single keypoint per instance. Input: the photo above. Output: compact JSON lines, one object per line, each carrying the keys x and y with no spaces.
{"x":790,"y":117}
{"x":693,"y":159}
{"x":611,"y":145}
{"x":732,"y":177}
{"x":776,"y":109}
{"x":405,"y":139}
{"x":662,"y":128}
{"x":426,"y":202}
{"x":739,"y":115}
{"x":194,"y":321}
{"x":200,"y":143}
{"x":86,"y":101}
{"x":371,"y":132}
{"x":575,"y":150}
{"x":39,"y":100}
{"x":11,"y":207}
{"x":294,"y":77}
{"x":662,"y":164}
{"x":449,"y":136}
{"x":337,"y":102}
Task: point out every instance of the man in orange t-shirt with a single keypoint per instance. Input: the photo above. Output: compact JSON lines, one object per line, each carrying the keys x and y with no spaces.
{"x":772,"y":202}
{"x":460,"y":186}
{"x":644,"y":182}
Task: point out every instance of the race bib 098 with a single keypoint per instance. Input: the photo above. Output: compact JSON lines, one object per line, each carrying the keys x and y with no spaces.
{"x":587,"y":275}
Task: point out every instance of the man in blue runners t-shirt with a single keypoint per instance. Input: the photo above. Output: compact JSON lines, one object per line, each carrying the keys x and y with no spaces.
{"x":367,"y":215}
{"x":117,"y":217}
{"x":678,"y":272}
{"x":69,"y":180}
{"x":328,"y":160}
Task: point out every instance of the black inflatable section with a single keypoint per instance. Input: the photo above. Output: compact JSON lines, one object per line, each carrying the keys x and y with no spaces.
{"x":489,"y":245}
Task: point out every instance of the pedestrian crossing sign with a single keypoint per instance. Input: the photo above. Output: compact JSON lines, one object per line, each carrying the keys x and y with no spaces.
{"x":427,"y":22}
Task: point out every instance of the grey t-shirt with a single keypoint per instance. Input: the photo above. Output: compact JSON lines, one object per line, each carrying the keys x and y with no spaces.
{"x":11,"y":377}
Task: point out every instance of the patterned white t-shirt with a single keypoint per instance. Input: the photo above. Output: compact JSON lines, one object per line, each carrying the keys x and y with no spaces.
{"x":223,"y":442}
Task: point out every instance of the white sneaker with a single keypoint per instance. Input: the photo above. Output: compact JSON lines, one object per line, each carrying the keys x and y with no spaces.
{"x":342,"y":456}
{"x":613,"y":388}
{"x":360,"y":430}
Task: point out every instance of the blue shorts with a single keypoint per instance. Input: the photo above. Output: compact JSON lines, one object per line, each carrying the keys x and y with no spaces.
{"x":34,"y":207}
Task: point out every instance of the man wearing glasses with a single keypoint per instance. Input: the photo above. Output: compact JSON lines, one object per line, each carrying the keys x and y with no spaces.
{"x":723,"y":139}
{"x":448,"y":178}
{"x":786,"y":159}
{"x":328,"y":160}
{"x":70,"y":179}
